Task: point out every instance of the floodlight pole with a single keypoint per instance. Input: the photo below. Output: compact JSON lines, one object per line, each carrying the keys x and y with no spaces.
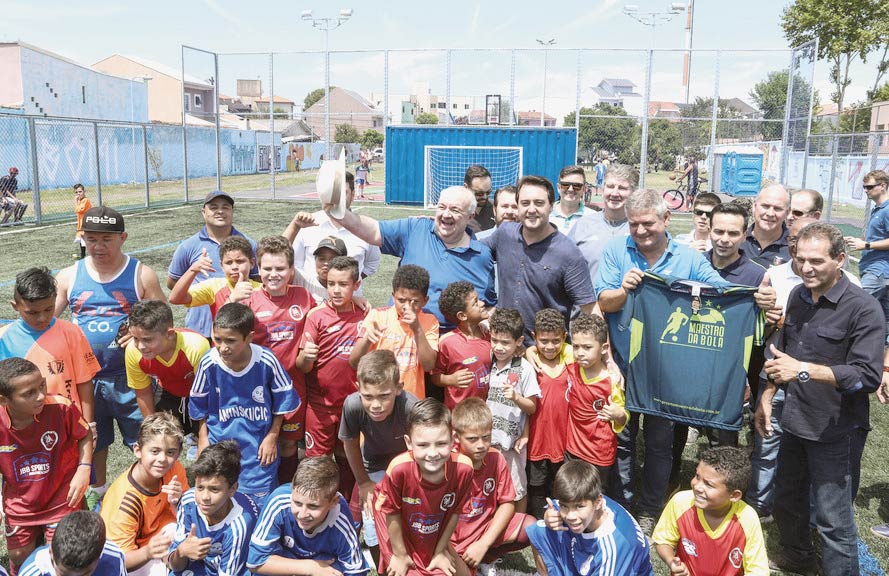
{"x":652,"y":18}
{"x":326,"y":25}
{"x":546,"y":44}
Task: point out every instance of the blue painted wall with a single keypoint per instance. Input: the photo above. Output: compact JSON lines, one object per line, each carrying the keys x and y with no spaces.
{"x":546,"y":152}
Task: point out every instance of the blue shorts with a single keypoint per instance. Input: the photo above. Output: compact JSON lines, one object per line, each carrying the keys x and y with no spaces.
{"x":116,"y":401}
{"x":360,"y":181}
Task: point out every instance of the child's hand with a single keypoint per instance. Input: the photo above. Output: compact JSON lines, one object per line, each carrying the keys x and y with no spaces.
{"x":474,"y":554}
{"x":268,"y":450}
{"x":78,"y":486}
{"x":520,"y":444}
{"x":303,"y":220}
{"x":310,"y":349}
{"x":242,"y":290}
{"x":366,"y":495}
{"x":173,"y":490}
{"x":324,"y":568}
{"x":399,"y":565}
{"x":361,"y":302}
{"x":374,"y":333}
{"x":610,"y":413}
{"x":159,"y":546}
{"x":552,"y":518}
{"x":463,"y":378}
{"x":678,"y":567}
{"x":203,"y":265}
{"x":409,"y":315}
{"x":194,"y":548}
{"x":442,"y":561}
{"x":533,"y":357}
{"x":509,"y":391}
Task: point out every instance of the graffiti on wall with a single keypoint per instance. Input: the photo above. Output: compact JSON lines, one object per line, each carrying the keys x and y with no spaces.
{"x":264,"y":163}
{"x":242,"y":158}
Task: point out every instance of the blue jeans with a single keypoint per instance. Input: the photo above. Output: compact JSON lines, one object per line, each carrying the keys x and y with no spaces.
{"x":764,"y":460}
{"x":658,"y":436}
{"x":817,"y":474}
{"x":878,"y":286}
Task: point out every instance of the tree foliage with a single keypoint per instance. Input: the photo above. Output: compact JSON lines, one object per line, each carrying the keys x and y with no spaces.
{"x":346,"y":134}
{"x":770,"y":97}
{"x":371,"y":139}
{"x":427,"y":118}
{"x":610,"y":132}
{"x":314,"y":96}
{"x":846,"y":30}
{"x":881,"y":94}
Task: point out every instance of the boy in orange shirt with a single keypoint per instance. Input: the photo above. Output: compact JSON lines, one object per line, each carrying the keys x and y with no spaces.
{"x":404,"y":328}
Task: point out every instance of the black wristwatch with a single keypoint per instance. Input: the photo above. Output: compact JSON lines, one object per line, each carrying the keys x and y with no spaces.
{"x":867,"y":245}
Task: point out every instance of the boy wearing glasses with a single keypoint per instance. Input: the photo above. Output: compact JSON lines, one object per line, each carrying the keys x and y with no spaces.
{"x":699,"y":237}
{"x":569,"y":209}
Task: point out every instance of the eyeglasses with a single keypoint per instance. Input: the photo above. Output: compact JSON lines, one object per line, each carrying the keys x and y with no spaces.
{"x":576,"y":186}
{"x":699,"y":212}
{"x":865,"y":186}
{"x":800,"y":213}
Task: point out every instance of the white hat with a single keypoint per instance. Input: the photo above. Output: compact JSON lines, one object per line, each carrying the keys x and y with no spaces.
{"x":331,"y":184}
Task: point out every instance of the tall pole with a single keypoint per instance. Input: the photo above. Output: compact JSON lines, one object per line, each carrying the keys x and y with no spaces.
{"x":689,"y":39}
{"x":546,"y":44}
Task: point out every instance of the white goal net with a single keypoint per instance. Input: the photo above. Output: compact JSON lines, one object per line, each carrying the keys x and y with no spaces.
{"x":444,"y":166}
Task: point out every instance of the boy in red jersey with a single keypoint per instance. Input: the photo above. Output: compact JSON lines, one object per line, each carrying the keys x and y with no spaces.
{"x":236,"y":258}
{"x":596,"y":412}
{"x":489,"y":526}
{"x":169,"y":354}
{"x":549,"y":425}
{"x":46,"y":453}
{"x":59,"y":348}
{"x":463,"y":366}
{"x":330,"y":334}
{"x":418,"y":503}
{"x":280,"y":309}
{"x":709,"y":530}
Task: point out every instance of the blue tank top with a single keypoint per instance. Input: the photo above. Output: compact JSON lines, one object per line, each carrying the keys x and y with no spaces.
{"x":100,"y":309}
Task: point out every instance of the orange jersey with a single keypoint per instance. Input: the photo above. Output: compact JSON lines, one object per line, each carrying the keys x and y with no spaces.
{"x":80,"y":208}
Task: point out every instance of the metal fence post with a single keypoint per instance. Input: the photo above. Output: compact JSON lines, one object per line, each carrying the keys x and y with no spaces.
{"x":98,"y":163}
{"x":447,"y":87}
{"x":512,"y":112}
{"x":833,"y":170}
{"x":386,"y":91}
{"x":216,"y":109}
{"x":788,"y":110}
{"x":714,"y":116}
{"x":805,"y":160}
{"x":272,"y":118}
{"x":643,"y":153}
{"x":35,"y":172}
{"x":184,"y":130}
{"x":577,"y":104}
{"x":145,"y":158}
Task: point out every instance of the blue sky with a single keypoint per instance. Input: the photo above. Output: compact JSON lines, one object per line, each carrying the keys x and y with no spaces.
{"x":88,"y":30}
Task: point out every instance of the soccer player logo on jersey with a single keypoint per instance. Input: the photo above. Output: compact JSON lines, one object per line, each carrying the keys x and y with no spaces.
{"x":702,"y":329}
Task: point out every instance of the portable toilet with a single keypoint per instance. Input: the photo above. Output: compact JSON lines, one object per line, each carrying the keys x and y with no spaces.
{"x":739,"y":170}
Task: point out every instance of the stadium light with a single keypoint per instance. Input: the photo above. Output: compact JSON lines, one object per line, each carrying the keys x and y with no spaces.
{"x":546,"y":45}
{"x":326,"y":25}
{"x":652,"y":18}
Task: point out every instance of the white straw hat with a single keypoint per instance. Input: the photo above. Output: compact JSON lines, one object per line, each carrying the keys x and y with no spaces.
{"x":331,"y":184}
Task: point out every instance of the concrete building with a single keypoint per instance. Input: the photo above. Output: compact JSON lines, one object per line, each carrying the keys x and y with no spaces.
{"x":39,"y":82}
{"x":404,"y":108}
{"x":280,"y":104}
{"x":619,"y":92}
{"x":879,"y":122}
{"x":532,"y":118}
{"x":346,"y":107}
{"x":165,"y":101}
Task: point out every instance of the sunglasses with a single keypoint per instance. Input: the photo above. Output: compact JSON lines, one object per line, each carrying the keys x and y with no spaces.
{"x":799,"y":213}
{"x":870,"y":186}
{"x":699,"y":212}
{"x":576,"y":186}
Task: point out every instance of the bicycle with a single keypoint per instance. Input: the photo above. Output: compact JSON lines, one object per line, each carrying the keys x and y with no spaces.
{"x":675,"y":197}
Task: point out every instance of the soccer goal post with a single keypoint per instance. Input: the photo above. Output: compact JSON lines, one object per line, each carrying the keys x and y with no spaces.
{"x":445,"y":166}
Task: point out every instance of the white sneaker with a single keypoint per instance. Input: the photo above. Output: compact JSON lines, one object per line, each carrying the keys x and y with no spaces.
{"x":693,"y":435}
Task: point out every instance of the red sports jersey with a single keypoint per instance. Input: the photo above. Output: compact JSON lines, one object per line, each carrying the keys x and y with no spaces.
{"x":549,"y":425}
{"x":175,"y":376}
{"x":457,"y":351}
{"x":491,"y":487}
{"x":424,"y":508}
{"x":39,"y":461}
{"x":335,"y":333}
{"x":735,"y":547}
{"x":591,"y":439}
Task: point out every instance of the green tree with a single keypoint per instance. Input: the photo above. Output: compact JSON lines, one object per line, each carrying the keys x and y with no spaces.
{"x":346,"y":134}
{"x":664,"y":143}
{"x":846,"y":30}
{"x":372,"y":139}
{"x":881,"y":94}
{"x":314,"y":96}
{"x":770,"y":96}
{"x":605,"y":129}
{"x":427,"y":118}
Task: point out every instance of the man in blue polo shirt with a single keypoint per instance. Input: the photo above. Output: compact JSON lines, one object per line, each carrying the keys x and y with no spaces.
{"x":444,"y":246}
{"x":649,"y":247}
{"x":218,"y":212}
{"x":538,"y":266}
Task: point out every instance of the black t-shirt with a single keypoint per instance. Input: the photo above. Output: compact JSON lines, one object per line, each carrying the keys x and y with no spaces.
{"x":485,"y":217}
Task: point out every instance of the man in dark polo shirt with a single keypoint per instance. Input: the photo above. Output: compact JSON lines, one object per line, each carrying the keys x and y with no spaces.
{"x":727,"y":225}
{"x":828,"y":358}
{"x":538,"y":266}
{"x":478,"y":179}
{"x":766,"y":241}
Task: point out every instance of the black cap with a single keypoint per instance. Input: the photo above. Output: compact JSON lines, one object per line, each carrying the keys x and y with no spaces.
{"x":102,"y":219}
{"x":218,"y":194}
{"x":333,"y":243}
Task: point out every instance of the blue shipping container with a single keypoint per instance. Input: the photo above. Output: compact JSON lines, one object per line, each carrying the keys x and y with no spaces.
{"x":545,"y":152}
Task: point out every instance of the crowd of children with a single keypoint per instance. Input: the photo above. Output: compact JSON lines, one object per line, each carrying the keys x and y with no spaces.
{"x":518,"y":452}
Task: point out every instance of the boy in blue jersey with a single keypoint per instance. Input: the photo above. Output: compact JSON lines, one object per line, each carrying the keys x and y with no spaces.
{"x":80,"y":548}
{"x":584,"y":532}
{"x":241,"y":391}
{"x":214,"y":521}
{"x":306,"y":527}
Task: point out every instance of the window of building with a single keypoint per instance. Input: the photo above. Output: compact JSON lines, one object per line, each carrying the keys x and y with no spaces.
{"x":197,"y":101}
{"x":83,"y":93}
{"x":466,"y":106}
{"x":187,"y":102}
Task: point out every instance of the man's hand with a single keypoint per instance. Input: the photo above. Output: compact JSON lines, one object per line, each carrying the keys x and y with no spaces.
{"x":782,"y":368}
{"x":474,"y":555}
{"x":399,"y":565}
{"x":203,"y":265}
{"x":762,"y":418}
{"x":310,"y":349}
{"x":678,"y":567}
{"x":699,"y":245}
{"x":765,"y":296}
{"x":268,"y":450}
{"x":242,"y":290}
{"x":194,"y":548}
{"x":173,"y":490}
{"x":883,"y":390}
{"x":303,"y":220}
{"x":854,"y":243}
{"x":632,"y":279}
{"x":552,"y":518}
{"x":78,"y":485}
{"x":442,"y":561}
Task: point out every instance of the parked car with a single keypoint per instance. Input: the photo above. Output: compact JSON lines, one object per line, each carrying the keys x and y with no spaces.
{"x":378,"y":154}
